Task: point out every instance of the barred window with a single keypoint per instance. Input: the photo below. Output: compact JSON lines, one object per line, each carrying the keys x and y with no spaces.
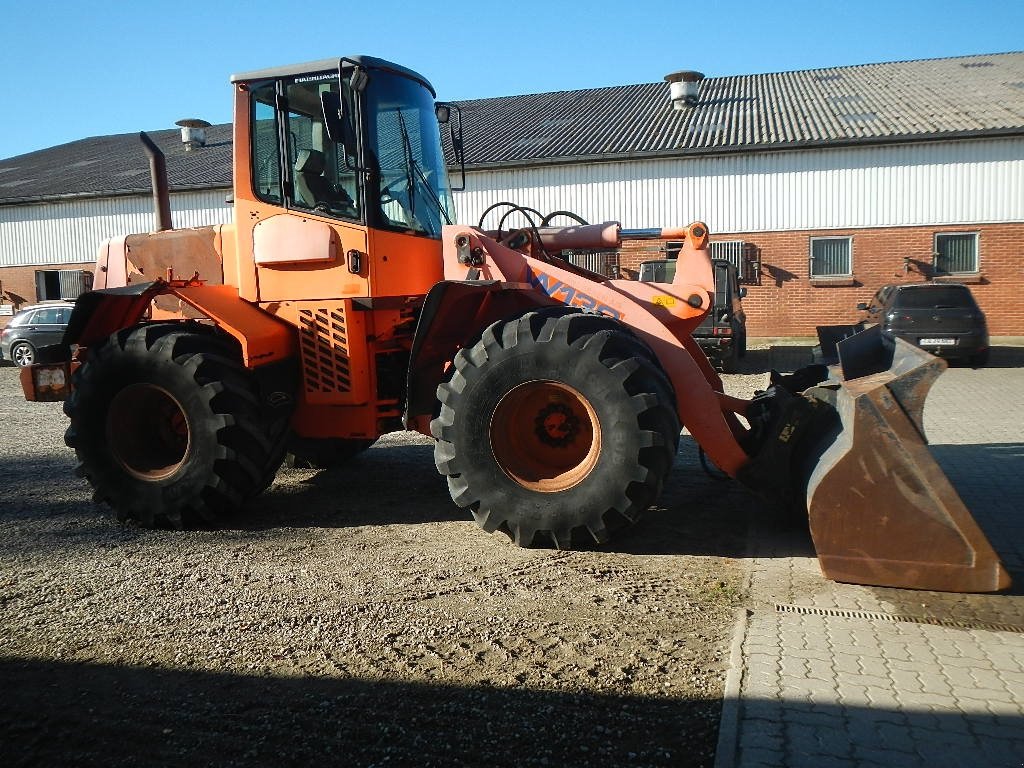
{"x":831,"y":257}
{"x":956,"y":253}
{"x":732,"y":251}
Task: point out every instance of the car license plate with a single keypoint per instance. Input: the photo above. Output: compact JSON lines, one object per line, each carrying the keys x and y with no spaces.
{"x":937,"y":342}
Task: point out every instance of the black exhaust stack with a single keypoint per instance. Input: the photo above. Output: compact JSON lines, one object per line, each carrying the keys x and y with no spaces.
{"x":158,"y":173}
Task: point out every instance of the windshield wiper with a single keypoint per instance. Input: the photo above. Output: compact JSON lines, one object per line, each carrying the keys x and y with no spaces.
{"x":410,"y":179}
{"x":413,"y":172}
{"x":430,"y":191}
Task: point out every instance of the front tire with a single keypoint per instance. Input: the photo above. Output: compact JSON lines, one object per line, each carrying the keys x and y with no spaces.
{"x":167,"y":427}
{"x":556,"y":427}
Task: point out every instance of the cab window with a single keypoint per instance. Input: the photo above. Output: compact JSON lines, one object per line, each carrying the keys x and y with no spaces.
{"x":322,"y":179}
{"x":266,"y":154}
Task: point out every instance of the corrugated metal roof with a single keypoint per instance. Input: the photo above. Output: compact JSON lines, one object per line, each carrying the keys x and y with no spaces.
{"x":936,"y":98}
{"x":979,"y":95}
{"x":115,"y":165}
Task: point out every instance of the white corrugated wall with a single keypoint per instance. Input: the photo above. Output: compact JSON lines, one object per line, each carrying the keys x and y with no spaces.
{"x":70,"y":232}
{"x":921,"y":184}
{"x":918,"y":184}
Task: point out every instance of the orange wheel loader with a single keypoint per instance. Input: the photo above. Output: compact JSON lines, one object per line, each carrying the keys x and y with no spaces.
{"x":344,"y":303}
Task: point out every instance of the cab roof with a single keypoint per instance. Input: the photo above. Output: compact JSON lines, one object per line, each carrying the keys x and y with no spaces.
{"x":331,"y":65}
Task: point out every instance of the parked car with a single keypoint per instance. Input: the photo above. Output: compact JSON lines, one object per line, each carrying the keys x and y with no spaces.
{"x":941,"y":318}
{"x":34,"y":326}
{"x":722,"y":334}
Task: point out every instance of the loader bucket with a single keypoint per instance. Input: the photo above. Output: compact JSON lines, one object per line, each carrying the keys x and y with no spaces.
{"x":881,"y":511}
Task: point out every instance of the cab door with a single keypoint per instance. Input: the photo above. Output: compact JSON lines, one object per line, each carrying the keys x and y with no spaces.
{"x":306,"y":226}
{"x":306,"y":231}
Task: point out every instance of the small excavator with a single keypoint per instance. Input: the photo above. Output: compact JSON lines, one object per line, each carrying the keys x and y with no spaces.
{"x":344,"y":302}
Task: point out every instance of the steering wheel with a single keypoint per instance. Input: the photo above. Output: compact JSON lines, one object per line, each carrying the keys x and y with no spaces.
{"x":389,"y":191}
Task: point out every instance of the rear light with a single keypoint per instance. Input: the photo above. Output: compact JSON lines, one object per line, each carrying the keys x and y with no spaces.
{"x":721,"y":332}
{"x":46,"y":383}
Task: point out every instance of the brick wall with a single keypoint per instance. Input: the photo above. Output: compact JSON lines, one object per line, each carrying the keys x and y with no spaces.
{"x":781,"y":301}
{"x":18,"y":284}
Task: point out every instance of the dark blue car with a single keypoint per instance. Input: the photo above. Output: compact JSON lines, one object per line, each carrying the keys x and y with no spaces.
{"x":35,"y":326}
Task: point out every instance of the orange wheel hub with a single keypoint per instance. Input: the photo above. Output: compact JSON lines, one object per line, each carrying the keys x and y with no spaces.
{"x":147,"y":431}
{"x":545,"y":435}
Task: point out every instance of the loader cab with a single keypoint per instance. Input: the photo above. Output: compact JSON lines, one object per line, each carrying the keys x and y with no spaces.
{"x":341,"y":187}
{"x":341,"y":191}
{"x":354,"y":139}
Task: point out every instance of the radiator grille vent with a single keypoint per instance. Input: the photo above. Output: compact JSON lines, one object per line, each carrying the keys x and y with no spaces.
{"x":325,"y":350}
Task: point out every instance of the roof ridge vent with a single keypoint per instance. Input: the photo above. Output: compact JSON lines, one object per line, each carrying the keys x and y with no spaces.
{"x":683,"y":87}
{"x":193,"y":132}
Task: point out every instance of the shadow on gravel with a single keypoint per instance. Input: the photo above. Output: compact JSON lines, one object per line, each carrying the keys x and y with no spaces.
{"x":385,"y":484}
{"x":697,"y":514}
{"x":390,"y":484}
{"x":59,"y":714}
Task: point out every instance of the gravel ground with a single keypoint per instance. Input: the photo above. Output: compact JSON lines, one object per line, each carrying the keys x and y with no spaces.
{"x":355,"y":616}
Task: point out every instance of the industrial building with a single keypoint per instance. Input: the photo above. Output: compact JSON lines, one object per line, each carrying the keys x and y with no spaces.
{"x":821,"y":185}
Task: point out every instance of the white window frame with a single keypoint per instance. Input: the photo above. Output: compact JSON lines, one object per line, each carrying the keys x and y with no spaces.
{"x":830,"y":275}
{"x":977,"y":252}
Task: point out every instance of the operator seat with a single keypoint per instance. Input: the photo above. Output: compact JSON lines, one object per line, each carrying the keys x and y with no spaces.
{"x":310,"y":186}
{"x":315,"y":191}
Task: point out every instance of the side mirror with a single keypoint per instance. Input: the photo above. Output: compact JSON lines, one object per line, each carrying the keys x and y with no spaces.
{"x":742,"y":292}
{"x":443,"y":110}
{"x":862,"y":307}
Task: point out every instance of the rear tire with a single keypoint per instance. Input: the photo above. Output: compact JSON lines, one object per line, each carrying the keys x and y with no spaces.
{"x":980,"y":360}
{"x":556,"y":427}
{"x":168,"y":427}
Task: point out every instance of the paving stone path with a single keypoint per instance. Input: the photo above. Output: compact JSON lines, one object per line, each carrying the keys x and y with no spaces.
{"x":838,"y":675}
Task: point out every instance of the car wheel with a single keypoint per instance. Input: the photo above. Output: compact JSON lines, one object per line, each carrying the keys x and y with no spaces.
{"x":23,"y":354}
{"x":979,"y":360}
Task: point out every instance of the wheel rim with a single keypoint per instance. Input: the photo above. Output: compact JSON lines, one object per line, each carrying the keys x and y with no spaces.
{"x":148,"y":432}
{"x":23,"y":355}
{"x":546,"y":436}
